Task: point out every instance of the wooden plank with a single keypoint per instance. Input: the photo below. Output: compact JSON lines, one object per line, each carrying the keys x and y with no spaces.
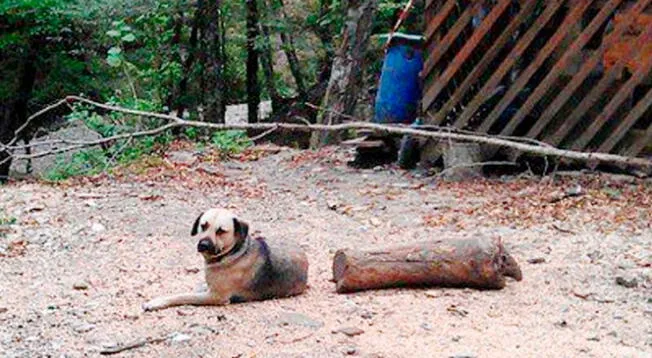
{"x":642,"y":142}
{"x":509,"y":61}
{"x":641,"y":108}
{"x":435,"y":23}
{"x":545,"y":85}
{"x":463,"y":55}
{"x":442,"y":47}
{"x":572,"y":18}
{"x":579,"y":78}
{"x":485,"y":61}
{"x":623,"y":93}
{"x":588,"y":101}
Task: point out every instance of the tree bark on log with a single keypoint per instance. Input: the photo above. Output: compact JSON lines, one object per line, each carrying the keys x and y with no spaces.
{"x":346,"y":73}
{"x":475,"y":262}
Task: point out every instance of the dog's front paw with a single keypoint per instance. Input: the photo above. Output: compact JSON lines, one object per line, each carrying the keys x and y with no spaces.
{"x":154,"y":305}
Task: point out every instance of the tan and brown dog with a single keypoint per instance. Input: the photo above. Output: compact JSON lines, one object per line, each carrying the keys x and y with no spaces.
{"x":238,"y":267}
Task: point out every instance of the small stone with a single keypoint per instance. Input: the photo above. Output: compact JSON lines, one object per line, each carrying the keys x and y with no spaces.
{"x":182,"y":157}
{"x":84,"y":327}
{"x":593,"y":339}
{"x":178,"y":337}
{"x":426,"y":326}
{"x":463,"y":355}
{"x":627,"y":282}
{"x":456,"y":338}
{"x":297,"y":319}
{"x":3,"y":310}
{"x":209,"y":169}
{"x":378,"y":168}
{"x":350,"y":350}
{"x":562,"y":324}
{"x":97,"y":227}
{"x":350,"y":331}
{"x":432,"y":294}
{"x":251,"y":344}
{"x":536,"y":260}
{"x":81,"y":285}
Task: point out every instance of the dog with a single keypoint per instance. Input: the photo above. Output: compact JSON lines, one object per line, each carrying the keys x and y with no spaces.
{"x":239,"y":268}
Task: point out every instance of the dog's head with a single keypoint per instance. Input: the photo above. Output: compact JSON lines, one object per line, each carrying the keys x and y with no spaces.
{"x":218,"y":231}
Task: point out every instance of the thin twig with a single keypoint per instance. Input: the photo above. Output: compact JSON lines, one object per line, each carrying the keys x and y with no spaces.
{"x":262,"y":135}
{"x":378,"y":128}
{"x":132,"y":345}
{"x":338,"y":113}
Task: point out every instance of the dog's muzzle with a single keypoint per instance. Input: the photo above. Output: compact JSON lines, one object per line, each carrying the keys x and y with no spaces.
{"x":206,"y":245}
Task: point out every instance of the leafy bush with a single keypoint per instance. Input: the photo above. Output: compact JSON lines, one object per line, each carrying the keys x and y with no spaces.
{"x":231,"y":142}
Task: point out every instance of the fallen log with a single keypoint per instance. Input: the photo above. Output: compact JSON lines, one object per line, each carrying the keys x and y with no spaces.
{"x":475,"y":262}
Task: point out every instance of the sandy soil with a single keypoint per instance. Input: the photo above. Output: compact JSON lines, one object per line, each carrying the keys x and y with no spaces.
{"x":83,"y":256}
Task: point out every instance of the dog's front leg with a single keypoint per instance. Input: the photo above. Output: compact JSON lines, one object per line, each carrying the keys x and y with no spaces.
{"x":195,"y":299}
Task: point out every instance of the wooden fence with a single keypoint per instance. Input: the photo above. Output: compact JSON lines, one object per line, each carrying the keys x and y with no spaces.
{"x":573,"y":73}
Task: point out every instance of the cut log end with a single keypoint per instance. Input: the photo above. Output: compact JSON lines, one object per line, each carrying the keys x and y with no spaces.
{"x":478,"y":262}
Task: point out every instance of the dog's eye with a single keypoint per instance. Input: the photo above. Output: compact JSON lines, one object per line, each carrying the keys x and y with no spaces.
{"x":220,"y":231}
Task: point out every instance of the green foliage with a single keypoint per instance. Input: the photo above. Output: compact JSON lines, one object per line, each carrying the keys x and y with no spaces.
{"x":231,"y":142}
{"x":87,"y":162}
{"x":6,"y":220}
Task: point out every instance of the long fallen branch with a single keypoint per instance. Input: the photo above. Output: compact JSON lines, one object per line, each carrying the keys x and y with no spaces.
{"x":174,"y":122}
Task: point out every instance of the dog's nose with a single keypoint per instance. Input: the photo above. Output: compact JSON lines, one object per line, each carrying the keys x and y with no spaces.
{"x":205,"y":245}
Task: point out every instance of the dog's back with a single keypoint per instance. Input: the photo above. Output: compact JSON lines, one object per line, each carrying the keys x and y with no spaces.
{"x":282,"y":270}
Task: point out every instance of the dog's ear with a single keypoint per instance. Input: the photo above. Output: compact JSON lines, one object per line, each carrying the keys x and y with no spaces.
{"x":195,"y":226}
{"x":240,"y":229}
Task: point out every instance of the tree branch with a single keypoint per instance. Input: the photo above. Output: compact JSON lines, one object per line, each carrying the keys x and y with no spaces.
{"x":173,"y":122}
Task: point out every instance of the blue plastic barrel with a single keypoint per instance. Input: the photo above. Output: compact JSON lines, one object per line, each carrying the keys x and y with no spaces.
{"x":399,"y":90}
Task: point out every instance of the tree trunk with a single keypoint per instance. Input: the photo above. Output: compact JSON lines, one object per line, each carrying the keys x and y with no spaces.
{"x":475,"y":262}
{"x":291,"y":53}
{"x":15,"y":114}
{"x":180,"y":101}
{"x":346,"y":74}
{"x":325,"y":34}
{"x":267,"y":62}
{"x":214,"y":64}
{"x":175,"y":44}
{"x":253,"y":90}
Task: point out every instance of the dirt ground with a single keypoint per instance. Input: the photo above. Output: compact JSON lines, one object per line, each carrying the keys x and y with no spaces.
{"x":83,"y":256}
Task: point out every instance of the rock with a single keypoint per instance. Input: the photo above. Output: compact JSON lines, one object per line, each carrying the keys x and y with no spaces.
{"x":98,"y":227}
{"x":81,"y":285}
{"x":210,"y":169}
{"x":350,"y":331}
{"x":297,"y":319}
{"x":536,"y":260}
{"x":3,"y":310}
{"x":178,"y":337}
{"x":627,"y":282}
{"x":84,"y":327}
{"x":182,"y":158}
{"x":350,"y":350}
{"x":426,"y":326}
{"x":463,"y":355}
{"x":432,"y":293}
